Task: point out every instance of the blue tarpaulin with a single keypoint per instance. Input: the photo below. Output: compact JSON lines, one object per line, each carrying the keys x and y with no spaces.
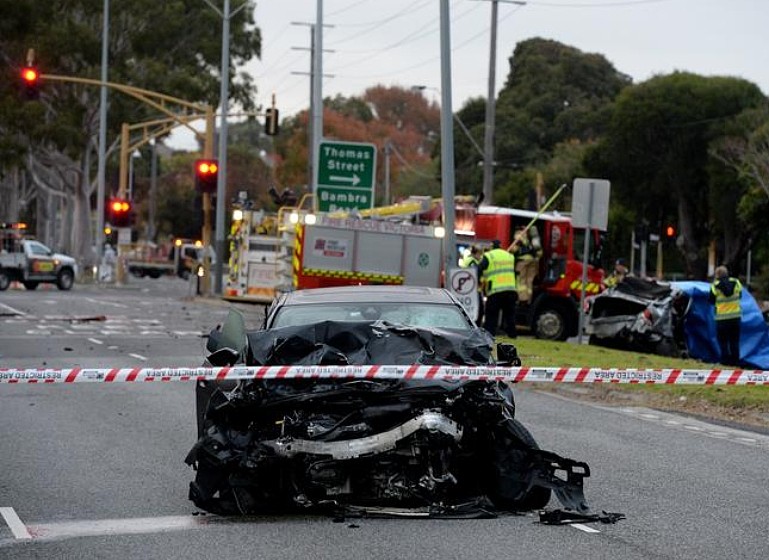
{"x":700,"y":328}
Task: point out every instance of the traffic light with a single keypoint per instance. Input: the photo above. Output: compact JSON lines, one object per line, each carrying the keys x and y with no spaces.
{"x":206,"y":175}
{"x":31,"y":78}
{"x":670,"y":231}
{"x":119,"y":213}
{"x":271,"y":123}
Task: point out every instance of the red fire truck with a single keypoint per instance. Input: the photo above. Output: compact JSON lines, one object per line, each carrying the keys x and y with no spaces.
{"x":553,"y":310}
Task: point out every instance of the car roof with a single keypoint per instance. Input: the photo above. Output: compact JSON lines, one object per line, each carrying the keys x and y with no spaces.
{"x":369,"y":294}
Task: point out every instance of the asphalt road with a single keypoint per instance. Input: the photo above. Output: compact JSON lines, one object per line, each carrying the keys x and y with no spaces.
{"x":97,"y":471}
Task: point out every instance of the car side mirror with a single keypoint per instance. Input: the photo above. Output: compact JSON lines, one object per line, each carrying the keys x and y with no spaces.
{"x":223,"y":357}
{"x":507,"y":355}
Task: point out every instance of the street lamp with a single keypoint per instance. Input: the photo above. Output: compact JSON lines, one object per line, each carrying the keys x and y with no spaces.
{"x":130,"y":189}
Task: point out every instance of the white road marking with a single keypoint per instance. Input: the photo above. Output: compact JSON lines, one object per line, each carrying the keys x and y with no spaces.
{"x":138,"y":357}
{"x":584,"y":528}
{"x":96,"y":341}
{"x":102,"y":302}
{"x":15,"y":524}
{"x":101,"y":527}
{"x":12,"y":310}
{"x":676,"y":422}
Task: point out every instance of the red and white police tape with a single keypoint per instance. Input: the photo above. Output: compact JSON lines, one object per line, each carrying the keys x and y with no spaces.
{"x":449,"y":373}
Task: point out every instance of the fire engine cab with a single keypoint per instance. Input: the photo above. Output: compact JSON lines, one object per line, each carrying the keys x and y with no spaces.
{"x":552,"y":311}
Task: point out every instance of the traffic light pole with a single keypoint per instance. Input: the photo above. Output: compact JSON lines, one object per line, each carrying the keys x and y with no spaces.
{"x":161,"y":103}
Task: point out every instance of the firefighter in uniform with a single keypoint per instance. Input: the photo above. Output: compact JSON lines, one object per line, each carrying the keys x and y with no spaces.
{"x":527,"y":251}
{"x":619,"y":273}
{"x":473,"y":259}
{"x":725,"y":293}
{"x":497,"y":269}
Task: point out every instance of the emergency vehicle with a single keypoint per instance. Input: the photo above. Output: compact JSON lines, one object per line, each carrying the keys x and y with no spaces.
{"x":392,"y":245}
{"x":300,"y":249}
{"x":553,"y":310}
{"x":31,"y":263}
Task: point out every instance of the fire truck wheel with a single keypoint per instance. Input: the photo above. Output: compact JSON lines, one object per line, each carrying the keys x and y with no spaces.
{"x":5,"y":280}
{"x":550,"y":324}
{"x":65,"y":279}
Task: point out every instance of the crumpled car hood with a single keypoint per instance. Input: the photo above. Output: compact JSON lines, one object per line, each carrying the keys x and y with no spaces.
{"x":361,"y":343}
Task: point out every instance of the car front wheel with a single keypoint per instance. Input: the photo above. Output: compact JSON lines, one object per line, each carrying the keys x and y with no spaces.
{"x":65,"y":280}
{"x":5,"y":280}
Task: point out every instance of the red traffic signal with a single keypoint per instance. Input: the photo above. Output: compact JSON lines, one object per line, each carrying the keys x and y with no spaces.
{"x":31,"y":77}
{"x":119,"y":212}
{"x":670,"y":231}
{"x":206,"y":175}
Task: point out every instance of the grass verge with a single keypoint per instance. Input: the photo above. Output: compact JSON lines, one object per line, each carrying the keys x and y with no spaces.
{"x":741,"y":404}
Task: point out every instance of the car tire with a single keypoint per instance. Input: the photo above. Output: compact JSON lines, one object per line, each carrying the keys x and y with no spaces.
{"x":667,"y":347}
{"x":511,"y":493}
{"x":30,"y":285}
{"x":65,"y":280}
{"x":154,"y":274}
{"x":550,"y":324}
{"x":5,"y":280}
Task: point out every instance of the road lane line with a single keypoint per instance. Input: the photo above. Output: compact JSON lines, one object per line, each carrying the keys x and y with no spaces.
{"x":96,"y":341}
{"x":138,"y":357}
{"x":15,"y":524}
{"x":13,"y":310}
{"x":584,"y":528}
{"x":111,"y":303}
{"x":105,"y":527}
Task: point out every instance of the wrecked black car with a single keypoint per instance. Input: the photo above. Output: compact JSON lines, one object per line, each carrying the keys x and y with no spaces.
{"x":640,"y":315}
{"x":432,"y":448}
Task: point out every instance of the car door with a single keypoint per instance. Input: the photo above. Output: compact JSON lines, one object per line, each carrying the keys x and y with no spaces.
{"x":40,"y":262}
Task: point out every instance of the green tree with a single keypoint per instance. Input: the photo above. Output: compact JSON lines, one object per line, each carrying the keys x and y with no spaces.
{"x":656,"y":154}
{"x":169,"y":47}
{"x":553,"y":93}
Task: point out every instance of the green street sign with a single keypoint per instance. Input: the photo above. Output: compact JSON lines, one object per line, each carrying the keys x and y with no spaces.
{"x":346,"y":174}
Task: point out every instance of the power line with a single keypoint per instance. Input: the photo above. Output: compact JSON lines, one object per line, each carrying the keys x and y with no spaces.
{"x":413,"y":36}
{"x":610,"y":4}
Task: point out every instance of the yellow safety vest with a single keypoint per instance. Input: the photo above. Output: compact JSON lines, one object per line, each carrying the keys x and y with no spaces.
{"x":728,"y":307}
{"x":500,"y":274}
{"x":467,"y":261}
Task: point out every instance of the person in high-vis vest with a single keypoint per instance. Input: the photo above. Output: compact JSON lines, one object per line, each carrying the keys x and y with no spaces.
{"x":497,"y":269}
{"x":725,"y":293}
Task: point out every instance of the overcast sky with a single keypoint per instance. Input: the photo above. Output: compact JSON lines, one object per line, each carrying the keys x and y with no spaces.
{"x":397,"y":42}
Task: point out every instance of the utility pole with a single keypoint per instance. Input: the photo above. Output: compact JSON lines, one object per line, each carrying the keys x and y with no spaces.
{"x":221,"y":185}
{"x":488,"y":137}
{"x":102,"y":164}
{"x":387,"y":150}
{"x":311,"y":116}
{"x":317,"y":98}
{"x":447,"y":141}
